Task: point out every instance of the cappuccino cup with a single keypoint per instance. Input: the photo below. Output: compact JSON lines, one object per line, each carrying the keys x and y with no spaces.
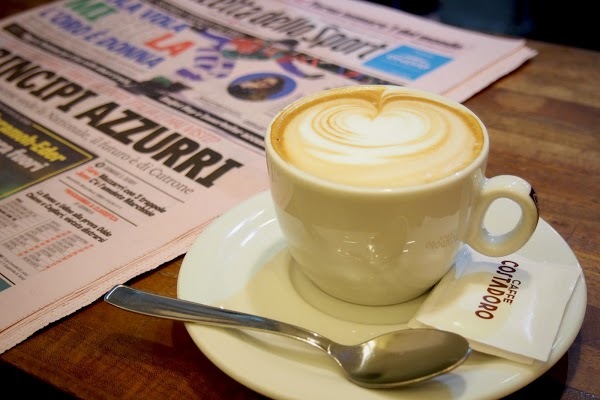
{"x":377,"y":187}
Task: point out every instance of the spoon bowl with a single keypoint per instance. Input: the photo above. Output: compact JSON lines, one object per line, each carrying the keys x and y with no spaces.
{"x":393,"y":359}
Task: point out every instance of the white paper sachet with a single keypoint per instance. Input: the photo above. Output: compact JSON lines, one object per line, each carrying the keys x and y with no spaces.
{"x":509,"y":307}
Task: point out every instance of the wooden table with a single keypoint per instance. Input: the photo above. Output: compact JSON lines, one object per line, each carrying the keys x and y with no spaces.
{"x":544,"y":122}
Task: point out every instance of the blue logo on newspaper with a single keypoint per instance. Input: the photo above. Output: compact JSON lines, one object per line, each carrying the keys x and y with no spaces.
{"x":408,"y":62}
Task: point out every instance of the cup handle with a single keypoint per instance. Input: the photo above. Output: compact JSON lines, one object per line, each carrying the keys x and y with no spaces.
{"x":517,"y":190}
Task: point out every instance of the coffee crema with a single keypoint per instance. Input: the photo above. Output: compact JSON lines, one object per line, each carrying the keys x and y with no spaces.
{"x":376,"y":136}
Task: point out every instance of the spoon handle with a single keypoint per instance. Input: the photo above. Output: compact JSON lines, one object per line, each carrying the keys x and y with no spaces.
{"x":154,"y":305}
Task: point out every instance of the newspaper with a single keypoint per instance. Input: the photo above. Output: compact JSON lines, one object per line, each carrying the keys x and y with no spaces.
{"x":127,"y":126}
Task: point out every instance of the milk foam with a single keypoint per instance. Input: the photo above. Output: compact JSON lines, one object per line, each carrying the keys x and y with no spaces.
{"x":371,"y":136}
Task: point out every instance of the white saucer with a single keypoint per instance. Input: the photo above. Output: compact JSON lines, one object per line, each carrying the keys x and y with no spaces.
{"x":240,"y":262}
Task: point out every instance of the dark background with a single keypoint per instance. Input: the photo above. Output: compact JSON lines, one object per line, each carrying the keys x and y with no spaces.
{"x":572,"y":23}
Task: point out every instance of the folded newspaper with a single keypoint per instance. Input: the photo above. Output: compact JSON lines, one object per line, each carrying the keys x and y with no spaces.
{"x":126,"y":127}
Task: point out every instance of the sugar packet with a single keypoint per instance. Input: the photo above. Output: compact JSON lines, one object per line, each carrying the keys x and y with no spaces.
{"x":509,"y":306}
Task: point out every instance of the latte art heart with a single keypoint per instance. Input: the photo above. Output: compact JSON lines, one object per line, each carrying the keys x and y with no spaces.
{"x":378,"y":138}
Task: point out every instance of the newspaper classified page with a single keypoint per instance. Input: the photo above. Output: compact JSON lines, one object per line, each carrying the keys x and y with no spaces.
{"x":126,"y":127}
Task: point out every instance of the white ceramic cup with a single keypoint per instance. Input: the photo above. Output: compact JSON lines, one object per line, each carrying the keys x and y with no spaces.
{"x":382,"y":243}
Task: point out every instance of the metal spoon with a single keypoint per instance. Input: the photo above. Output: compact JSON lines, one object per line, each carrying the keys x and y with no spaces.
{"x":390,"y":360}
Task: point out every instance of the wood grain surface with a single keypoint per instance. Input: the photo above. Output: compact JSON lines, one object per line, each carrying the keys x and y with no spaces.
{"x":544,"y":124}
